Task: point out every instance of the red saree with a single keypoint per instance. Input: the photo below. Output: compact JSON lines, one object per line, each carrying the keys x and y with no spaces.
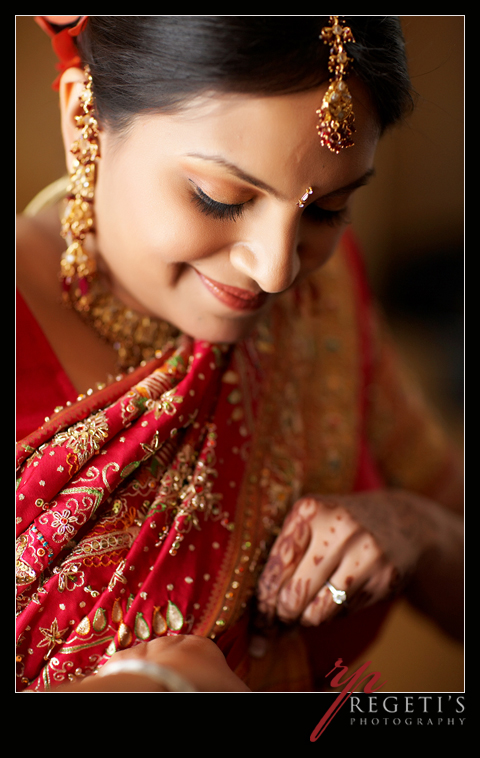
{"x":148,"y":508}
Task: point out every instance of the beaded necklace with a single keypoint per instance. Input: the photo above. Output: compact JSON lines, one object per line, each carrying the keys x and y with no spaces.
{"x":135,"y":336}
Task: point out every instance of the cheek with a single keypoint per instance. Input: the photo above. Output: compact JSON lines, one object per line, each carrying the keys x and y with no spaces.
{"x":158,"y":223}
{"x":317,"y":246}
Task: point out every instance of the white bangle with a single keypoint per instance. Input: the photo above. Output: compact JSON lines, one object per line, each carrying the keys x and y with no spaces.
{"x":162,"y":675}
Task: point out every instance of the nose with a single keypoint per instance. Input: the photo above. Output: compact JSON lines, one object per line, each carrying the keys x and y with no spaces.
{"x":270,"y":258}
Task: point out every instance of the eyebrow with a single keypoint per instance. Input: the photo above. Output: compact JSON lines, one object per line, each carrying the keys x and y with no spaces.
{"x":236,"y":171}
{"x":360,"y":182}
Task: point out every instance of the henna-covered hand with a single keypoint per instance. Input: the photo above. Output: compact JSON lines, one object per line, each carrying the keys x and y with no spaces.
{"x":366,"y":544}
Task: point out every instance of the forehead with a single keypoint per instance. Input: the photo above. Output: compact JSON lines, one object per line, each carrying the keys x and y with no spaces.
{"x":273,"y":138}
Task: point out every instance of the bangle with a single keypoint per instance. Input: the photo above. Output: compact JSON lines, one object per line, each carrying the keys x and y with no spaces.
{"x":163,"y":675}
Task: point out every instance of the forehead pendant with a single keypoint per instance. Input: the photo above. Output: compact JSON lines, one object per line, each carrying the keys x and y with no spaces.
{"x":336,"y":125}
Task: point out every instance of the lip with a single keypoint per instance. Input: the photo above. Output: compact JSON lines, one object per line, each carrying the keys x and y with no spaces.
{"x":233,"y":297}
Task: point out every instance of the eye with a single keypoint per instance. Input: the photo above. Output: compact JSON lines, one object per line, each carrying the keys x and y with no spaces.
{"x":323,"y":216}
{"x":210,"y":207}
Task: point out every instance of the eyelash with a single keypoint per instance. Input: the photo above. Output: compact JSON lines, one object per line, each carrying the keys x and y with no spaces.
{"x":225,"y":212}
{"x":322,"y":216}
{"x":220,"y":211}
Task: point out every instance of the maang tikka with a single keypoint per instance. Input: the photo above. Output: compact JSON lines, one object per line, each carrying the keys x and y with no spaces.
{"x":336,"y":125}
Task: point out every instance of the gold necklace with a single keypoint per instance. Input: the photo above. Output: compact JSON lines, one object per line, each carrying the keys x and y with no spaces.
{"x":134,"y":336}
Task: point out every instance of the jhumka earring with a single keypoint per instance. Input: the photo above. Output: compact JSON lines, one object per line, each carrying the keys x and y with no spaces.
{"x":336,"y":125}
{"x":134,"y":336}
{"x":77,"y":267}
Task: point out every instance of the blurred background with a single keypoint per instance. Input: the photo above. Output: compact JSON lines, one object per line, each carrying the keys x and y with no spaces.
{"x":410,"y":221}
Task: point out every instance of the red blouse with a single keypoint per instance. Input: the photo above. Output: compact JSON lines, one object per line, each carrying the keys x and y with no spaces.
{"x":42,"y":383}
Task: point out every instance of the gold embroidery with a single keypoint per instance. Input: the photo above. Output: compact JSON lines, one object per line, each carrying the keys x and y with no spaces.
{"x":99,"y":620}
{"x":159,"y":623}
{"x":124,"y":635}
{"x":186,"y":490}
{"x":166,"y":404}
{"x":70,"y":576}
{"x":85,"y":438}
{"x":141,"y":628}
{"x":52,"y":637}
{"x":23,"y":573}
{"x":117,"y":613}
{"x":83,"y":628}
{"x":174,"y":617}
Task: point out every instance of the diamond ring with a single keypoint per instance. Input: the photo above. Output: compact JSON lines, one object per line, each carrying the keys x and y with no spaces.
{"x":339,"y":596}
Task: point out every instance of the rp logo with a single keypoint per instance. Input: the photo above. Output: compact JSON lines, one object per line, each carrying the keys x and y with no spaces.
{"x":349,"y":685}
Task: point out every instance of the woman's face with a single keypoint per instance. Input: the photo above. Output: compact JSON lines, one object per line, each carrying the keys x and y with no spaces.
{"x":197,"y":215}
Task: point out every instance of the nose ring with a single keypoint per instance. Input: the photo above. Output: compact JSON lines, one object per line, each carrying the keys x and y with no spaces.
{"x":301,"y":202}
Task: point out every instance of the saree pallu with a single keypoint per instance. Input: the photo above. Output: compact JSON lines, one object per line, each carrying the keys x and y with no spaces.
{"x":149,"y":507}
{"x":114,"y":511}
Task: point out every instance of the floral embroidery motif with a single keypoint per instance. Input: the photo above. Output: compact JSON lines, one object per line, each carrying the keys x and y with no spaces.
{"x":23,"y":572}
{"x":187,"y":490}
{"x":62,"y":522}
{"x":51,"y":638}
{"x":85,"y":438}
{"x":70,"y":577}
{"x":166,"y":404}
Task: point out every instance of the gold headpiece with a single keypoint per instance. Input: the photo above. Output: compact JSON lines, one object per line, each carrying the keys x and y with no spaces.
{"x":336,"y":125}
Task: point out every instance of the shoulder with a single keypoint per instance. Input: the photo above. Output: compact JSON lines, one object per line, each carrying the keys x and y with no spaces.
{"x":38,"y":251}
{"x":26,"y":233}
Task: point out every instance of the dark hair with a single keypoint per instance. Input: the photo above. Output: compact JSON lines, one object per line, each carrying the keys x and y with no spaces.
{"x":157,"y":63}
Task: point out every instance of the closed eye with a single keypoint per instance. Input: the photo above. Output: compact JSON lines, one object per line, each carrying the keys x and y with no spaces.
{"x":221,"y":211}
{"x":233,"y":211}
{"x":323,"y":216}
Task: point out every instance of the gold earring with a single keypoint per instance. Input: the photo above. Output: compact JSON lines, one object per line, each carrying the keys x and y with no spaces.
{"x":135,"y":337}
{"x":77,"y":267}
{"x":336,"y":125}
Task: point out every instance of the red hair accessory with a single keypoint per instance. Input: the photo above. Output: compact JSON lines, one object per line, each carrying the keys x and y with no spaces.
{"x":62,"y":41}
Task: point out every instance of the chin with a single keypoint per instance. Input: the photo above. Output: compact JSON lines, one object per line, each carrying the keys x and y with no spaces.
{"x":225,"y":331}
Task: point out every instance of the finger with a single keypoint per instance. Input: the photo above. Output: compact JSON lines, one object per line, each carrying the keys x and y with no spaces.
{"x":364,"y":575}
{"x":381,"y":584}
{"x":334,"y":533}
{"x":306,"y":581}
{"x":286,"y":553}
